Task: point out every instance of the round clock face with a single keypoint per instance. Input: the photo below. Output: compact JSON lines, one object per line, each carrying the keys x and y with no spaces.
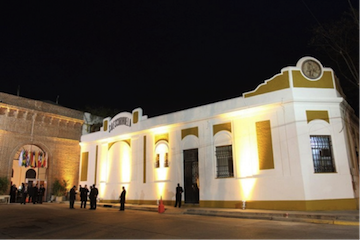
{"x":311,"y":69}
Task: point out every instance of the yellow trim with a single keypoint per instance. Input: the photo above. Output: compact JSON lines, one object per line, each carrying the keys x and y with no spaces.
{"x":138,"y":201}
{"x":84,"y":166}
{"x":135,"y":117}
{"x":189,"y":131}
{"x":326,"y":81}
{"x":264,"y":145}
{"x":314,"y":115}
{"x":164,"y":137}
{"x":105,"y":125}
{"x":221,"y":127}
{"x":300,"y":205}
{"x":127,"y":141}
{"x":279,"y":82}
{"x":110,"y":145}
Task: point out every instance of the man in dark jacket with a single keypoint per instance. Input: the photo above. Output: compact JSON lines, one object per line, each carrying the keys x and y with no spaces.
{"x":83,"y":195}
{"x":13,"y":191}
{"x":35,"y":194}
{"x":30,"y":191}
{"x":41,"y":193}
{"x":24,"y":192}
{"x":179,"y":191}
{"x":122,"y":199}
{"x":93,"y":195}
{"x":72,"y":196}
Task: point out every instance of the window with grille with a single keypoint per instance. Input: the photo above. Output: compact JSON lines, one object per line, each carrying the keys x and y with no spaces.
{"x":162,"y":156}
{"x":321,"y":148}
{"x":224,"y":162}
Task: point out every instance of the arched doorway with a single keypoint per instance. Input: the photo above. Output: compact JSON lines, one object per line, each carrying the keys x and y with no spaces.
{"x":30,"y":166}
{"x":31,"y":173}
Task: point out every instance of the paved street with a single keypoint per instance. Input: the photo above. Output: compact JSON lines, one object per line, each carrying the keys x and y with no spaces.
{"x":53,"y":220}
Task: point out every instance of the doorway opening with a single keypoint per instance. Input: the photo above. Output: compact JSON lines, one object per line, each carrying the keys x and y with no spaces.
{"x":191,"y":176}
{"x":29,"y":166}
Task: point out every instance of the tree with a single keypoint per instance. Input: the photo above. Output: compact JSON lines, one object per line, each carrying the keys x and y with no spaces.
{"x":339,"y":40}
{"x":59,"y":188}
{"x":4,"y":185}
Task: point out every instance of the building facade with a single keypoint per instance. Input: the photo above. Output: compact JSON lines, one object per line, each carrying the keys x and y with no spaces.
{"x":289,"y":144}
{"x":39,"y":142}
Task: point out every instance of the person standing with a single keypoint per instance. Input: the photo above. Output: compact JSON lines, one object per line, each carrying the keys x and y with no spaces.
{"x":13,"y":190}
{"x":122,"y":199}
{"x":83,"y":195}
{"x":24,"y":192}
{"x":41,"y":193}
{"x":35,"y":193}
{"x":93,"y":195}
{"x":91,"y":198}
{"x":30,"y":191}
{"x":96,"y":192}
{"x":179,"y":191}
{"x":72,"y":197}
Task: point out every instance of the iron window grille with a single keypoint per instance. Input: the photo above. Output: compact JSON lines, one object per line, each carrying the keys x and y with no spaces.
{"x":224,"y":162}
{"x":157,"y":161}
{"x":166,"y":163}
{"x":321,"y":148}
{"x":166,"y":160}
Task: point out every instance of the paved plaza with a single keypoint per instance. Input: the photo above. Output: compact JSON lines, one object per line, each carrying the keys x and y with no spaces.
{"x":55,"y":220}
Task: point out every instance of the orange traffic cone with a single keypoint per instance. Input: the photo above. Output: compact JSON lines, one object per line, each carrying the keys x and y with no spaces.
{"x":161,"y":207}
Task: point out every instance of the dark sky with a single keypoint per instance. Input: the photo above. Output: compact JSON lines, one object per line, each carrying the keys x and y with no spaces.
{"x":163,"y":56}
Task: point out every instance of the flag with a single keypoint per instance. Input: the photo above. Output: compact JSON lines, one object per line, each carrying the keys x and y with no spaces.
{"x":27,"y":159}
{"x":32,"y":160}
{"x":37,"y":159}
{"x":40,"y":155}
{"x":21,"y":158}
{"x":24,"y":158}
{"x":45,"y":160}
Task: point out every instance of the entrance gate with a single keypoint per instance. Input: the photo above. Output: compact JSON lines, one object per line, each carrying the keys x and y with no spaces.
{"x":29,"y":166}
{"x":191,"y":176}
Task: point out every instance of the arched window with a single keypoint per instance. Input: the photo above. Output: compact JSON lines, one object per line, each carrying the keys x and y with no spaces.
{"x":30,"y":174}
{"x":162,"y":155}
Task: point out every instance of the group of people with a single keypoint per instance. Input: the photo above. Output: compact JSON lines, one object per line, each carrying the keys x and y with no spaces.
{"x":27,"y":193}
{"x":36,"y":195}
{"x":92,"y":194}
{"x":84,"y":194}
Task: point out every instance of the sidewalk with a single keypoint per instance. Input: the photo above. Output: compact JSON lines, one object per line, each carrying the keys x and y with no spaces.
{"x":350,"y":217}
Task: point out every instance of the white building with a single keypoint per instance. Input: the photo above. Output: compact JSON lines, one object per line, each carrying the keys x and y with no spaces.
{"x":289,"y":144}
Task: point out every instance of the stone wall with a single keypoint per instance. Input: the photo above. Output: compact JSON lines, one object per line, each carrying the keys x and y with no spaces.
{"x":53,"y":128}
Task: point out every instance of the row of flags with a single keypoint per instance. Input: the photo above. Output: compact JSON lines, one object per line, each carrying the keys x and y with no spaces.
{"x":33,"y":159}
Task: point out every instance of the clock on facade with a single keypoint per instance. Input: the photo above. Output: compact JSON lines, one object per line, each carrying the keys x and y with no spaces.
{"x":311,"y":69}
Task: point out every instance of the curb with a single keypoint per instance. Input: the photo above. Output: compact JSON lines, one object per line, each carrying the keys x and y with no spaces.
{"x":307,"y":218}
{"x":297,"y":217}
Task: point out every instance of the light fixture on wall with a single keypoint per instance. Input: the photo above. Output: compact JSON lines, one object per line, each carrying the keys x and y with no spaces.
{"x":244,"y":204}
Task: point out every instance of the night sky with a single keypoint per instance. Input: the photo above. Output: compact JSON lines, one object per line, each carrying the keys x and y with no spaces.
{"x":163,"y":56}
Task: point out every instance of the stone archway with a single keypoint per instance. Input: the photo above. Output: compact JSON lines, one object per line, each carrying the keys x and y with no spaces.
{"x":29,"y":165}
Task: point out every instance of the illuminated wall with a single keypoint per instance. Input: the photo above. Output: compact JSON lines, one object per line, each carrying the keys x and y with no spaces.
{"x":268,"y":131}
